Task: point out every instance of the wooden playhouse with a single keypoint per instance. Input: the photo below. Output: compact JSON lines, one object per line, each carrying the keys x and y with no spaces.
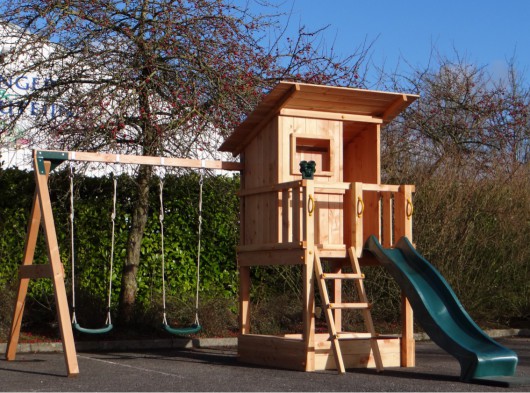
{"x":291,"y":220}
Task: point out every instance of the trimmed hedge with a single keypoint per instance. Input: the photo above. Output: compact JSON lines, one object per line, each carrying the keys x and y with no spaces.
{"x":93,"y":207}
{"x":475,"y":232}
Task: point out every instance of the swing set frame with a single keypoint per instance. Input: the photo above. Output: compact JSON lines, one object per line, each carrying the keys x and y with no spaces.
{"x":44,"y":161}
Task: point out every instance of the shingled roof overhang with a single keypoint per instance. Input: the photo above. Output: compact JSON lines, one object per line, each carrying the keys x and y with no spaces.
{"x":346,"y":103}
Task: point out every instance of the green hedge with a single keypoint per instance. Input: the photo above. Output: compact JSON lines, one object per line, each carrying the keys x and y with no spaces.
{"x":475,"y":232}
{"x":93,"y":206}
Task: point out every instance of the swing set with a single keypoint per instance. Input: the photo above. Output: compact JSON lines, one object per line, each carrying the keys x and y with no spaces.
{"x":108,"y":322}
{"x":44,"y":161}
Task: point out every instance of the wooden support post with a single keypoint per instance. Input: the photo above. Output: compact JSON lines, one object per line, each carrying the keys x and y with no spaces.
{"x":244,"y":300}
{"x":408,"y":345}
{"x":403,"y":227}
{"x":308,"y":273}
{"x":244,"y":272}
{"x":357,"y":207}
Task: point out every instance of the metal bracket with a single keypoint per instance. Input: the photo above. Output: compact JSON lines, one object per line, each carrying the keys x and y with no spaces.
{"x":55,"y":157}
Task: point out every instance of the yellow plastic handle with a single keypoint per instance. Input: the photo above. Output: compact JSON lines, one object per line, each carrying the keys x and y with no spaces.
{"x":409,"y":210}
{"x":311,"y":205}
{"x":360,"y":207}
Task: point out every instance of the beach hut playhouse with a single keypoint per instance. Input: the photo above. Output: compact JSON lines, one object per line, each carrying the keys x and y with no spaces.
{"x":319,"y":220}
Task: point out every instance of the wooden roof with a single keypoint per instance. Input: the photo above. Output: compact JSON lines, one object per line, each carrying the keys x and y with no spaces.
{"x":346,"y":103}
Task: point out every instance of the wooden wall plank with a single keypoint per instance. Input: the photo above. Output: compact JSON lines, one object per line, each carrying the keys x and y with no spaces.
{"x":272,"y":257}
{"x":244,"y":299}
{"x":272,"y":351}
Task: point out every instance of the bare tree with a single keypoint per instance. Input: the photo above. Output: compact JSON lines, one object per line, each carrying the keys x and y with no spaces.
{"x":151,"y":77}
{"x":465,"y":117}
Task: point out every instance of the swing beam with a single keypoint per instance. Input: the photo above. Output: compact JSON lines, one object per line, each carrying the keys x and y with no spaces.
{"x":44,"y":161}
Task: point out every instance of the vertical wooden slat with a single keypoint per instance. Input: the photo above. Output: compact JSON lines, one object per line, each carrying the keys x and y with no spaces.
{"x":357,"y":206}
{"x":244,"y":299}
{"x":372,"y":215}
{"x":244,"y":272}
{"x":387,"y":219}
{"x":308,"y":273}
{"x":318,"y":127}
{"x":296,"y":215}
{"x":285,"y":213}
{"x":403,"y":209}
{"x":289,"y":148}
{"x":403,"y":227}
{"x":251,"y":203}
{"x":270,"y":163}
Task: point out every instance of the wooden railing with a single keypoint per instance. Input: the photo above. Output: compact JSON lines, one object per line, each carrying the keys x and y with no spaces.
{"x":382,"y":210}
{"x":292,"y":214}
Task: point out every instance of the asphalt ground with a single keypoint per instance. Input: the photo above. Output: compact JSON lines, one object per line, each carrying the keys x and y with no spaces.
{"x":217,"y":369}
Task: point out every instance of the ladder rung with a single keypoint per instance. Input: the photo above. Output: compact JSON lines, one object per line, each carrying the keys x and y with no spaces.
{"x":344,"y":276}
{"x":335,"y":306}
{"x":353,"y":336}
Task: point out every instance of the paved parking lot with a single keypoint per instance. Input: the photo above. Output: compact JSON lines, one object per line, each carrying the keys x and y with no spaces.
{"x":217,"y":369}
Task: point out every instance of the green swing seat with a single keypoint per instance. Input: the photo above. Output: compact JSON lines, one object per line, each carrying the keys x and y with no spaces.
{"x":183,"y":331}
{"x":102,"y":330}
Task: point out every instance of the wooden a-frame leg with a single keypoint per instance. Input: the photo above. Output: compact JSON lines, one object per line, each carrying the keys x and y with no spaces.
{"x":42,"y":214}
{"x":57,"y":270}
{"x":29,"y":252}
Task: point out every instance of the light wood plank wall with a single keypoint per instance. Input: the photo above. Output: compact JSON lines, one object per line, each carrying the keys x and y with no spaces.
{"x":261,"y":214}
{"x":329,"y":208}
{"x":268,"y":217}
{"x":362,"y":163}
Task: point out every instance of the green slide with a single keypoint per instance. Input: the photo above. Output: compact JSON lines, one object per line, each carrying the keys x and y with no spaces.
{"x":439,"y":312}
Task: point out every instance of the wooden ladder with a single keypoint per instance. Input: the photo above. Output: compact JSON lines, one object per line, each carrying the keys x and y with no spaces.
{"x":362,"y":305}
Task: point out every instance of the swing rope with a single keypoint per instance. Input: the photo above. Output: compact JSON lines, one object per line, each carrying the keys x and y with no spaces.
{"x":161,"y":219}
{"x":112,"y":241}
{"x":199,"y":232}
{"x":72,"y":243}
{"x":108,"y":322}
{"x":196,"y":327}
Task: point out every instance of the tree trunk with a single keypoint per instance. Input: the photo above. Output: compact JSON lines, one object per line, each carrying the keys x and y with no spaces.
{"x":129,"y":285}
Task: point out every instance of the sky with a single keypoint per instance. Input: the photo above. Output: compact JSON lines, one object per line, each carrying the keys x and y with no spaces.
{"x":486,"y":33}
